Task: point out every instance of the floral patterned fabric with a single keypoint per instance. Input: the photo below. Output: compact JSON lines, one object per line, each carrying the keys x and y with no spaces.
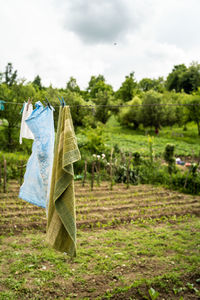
{"x":37,"y":178}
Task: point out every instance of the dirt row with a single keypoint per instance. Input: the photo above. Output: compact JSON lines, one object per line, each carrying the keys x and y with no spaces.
{"x":99,"y":208}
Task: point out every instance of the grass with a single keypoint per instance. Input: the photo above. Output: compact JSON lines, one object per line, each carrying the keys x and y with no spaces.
{"x":119,"y":257}
{"x":187,"y":143}
{"x":122,"y":250}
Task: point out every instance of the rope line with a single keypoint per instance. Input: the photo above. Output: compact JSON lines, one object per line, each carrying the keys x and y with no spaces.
{"x":117,"y":106}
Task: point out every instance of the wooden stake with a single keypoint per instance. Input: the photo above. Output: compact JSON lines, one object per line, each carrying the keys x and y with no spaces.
{"x":5,"y":176}
{"x":92,"y":178}
{"x":0,"y":173}
{"x":98,"y":173}
{"x":111,"y":170}
{"x":128,"y":170}
{"x":85,"y":174}
{"x":21,"y":173}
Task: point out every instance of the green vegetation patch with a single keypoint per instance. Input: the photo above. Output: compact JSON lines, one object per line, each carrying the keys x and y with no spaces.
{"x":106,"y":259}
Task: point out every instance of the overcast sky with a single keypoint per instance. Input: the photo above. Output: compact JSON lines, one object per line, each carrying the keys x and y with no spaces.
{"x":57,"y":39}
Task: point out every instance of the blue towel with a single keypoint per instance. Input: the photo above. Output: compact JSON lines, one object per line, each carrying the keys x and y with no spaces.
{"x":37,"y":178}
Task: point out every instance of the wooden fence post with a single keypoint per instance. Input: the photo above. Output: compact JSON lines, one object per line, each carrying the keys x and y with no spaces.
{"x":92,"y":178}
{"x":111,"y":170}
{"x":0,"y":173}
{"x":128,"y":171}
{"x":98,"y":173}
{"x":85,"y":173}
{"x":21,"y":173}
{"x":5,"y":175}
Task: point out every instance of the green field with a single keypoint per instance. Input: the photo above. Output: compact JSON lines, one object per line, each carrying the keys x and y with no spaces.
{"x":187,"y":143}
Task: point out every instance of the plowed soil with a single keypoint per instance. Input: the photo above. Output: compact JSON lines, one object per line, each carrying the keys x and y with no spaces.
{"x":99,"y":208}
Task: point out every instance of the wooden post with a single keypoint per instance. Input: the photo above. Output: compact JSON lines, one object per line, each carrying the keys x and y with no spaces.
{"x":5,"y":176}
{"x":111,"y":170}
{"x":85,"y":173}
{"x":0,"y":173}
{"x":128,"y":170}
{"x":92,"y":178}
{"x":98,"y":173}
{"x":21,"y":173}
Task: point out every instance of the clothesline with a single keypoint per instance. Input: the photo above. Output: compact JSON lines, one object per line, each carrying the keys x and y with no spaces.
{"x":116,"y":106}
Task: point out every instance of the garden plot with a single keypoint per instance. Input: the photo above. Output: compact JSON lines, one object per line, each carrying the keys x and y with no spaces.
{"x":101,"y":207}
{"x":129,"y":241}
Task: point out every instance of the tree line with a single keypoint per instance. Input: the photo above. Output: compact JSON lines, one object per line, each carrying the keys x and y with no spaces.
{"x":145,"y":102}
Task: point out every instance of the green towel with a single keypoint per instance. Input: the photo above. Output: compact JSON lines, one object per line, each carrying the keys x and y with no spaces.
{"x":61,"y":223}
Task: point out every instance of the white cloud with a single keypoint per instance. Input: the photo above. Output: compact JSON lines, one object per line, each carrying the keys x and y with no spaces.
{"x":59,"y":39}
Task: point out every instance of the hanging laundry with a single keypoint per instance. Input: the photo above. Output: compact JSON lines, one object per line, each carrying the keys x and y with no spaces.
{"x":37,"y":178}
{"x":25,"y":132}
{"x":2,"y":104}
{"x":61,"y":223}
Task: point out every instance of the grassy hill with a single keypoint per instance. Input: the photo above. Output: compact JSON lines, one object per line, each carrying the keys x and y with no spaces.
{"x":187,"y":143}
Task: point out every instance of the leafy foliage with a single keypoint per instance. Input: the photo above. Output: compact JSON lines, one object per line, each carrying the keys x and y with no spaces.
{"x":194,"y":111}
{"x":126,"y":91}
{"x":169,"y":157}
{"x":183,"y":78}
{"x":131,"y":116}
{"x":153,"y":113}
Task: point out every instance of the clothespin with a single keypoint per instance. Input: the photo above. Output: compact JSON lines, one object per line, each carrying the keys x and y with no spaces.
{"x":29,"y":102}
{"x":62,"y":101}
{"x":48,"y":103}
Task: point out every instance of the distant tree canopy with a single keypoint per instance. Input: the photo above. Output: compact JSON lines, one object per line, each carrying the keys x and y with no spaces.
{"x":152,"y":112}
{"x":194,"y":111}
{"x":183,"y":78}
{"x":131,"y":116}
{"x":9,"y":75}
{"x":72,"y":85}
{"x":147,"y":101}
{"x":98,"y":84}
{"x":126,"y":91}
{"x":147,"y":84}
{"x":37,"y":82}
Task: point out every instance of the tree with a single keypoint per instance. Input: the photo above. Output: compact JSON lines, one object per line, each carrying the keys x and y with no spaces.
{"x":131,"y":116}
{"x":126,"y":91}
{"x":190,"y":80}
{"x":152,"y":112}
{"x":174,"y":113}
{"x":183,"y":78}
{"x":103,"y":111}
{"x":147,"y":84}
{"x":76,"y":102}
{"x":93,"y":81}
{"x":194,"y":111}
{"x":16,"y":93}
{"x":173,"y":81}
{"x":37,"y":82}
{"x":72,"y":85}
{"x":10,"y":75}
{"x":98,"y":84}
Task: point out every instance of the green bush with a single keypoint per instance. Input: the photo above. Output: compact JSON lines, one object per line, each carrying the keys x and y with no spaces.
{"x":186,"y":183}
{"x":169,"y":157}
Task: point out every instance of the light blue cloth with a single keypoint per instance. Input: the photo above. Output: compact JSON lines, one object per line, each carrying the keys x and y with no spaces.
{"x":37,"y":178}
{"x":2,"y":104}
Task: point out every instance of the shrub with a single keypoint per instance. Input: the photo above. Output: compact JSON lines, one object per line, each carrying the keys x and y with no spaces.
{"x":169,"y":157}
{"x":186,"y":183}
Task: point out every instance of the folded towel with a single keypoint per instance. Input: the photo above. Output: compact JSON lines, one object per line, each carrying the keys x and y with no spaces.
{"x":61,"y":223}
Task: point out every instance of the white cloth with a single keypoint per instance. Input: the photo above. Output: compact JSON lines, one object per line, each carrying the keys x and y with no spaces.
{"x":25,"y":132}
